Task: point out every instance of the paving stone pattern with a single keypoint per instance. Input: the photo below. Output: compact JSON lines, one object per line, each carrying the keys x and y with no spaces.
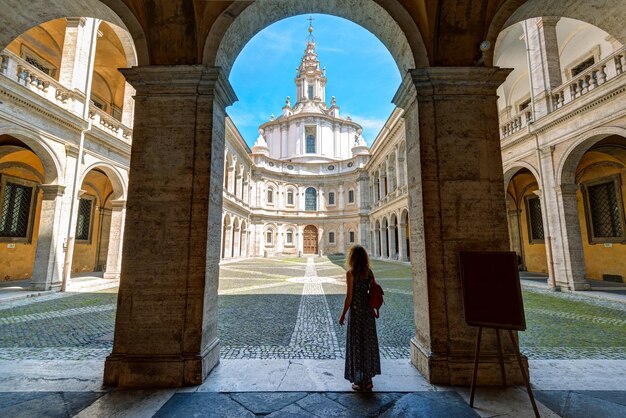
{"x":288,"y":309}
{"x":328,"y":404}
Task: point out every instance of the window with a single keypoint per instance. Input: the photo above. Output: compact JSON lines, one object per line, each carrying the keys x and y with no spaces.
{"x":310,"y":93}
{"x":350,"y":196}
{"x":351,"y":237}
{"x":83,"y":223}
{"x":331,"y":237}
{"x":534,"y":220}
{"x":310,"y":199}
{"x":290,"y":198}
{"x":37,"y":61}
{"x":270,"y":196}
{"x":605,"y":213}
{"x":579,"y":68}
{"x":268,"y":237}
{"x":289,"y":237}
{"x":331,"y":198}
{"x":18,"y":200}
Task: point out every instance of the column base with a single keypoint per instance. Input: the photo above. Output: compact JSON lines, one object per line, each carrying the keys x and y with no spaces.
{"x":42,"y":287}
{"x":112,"y":275}
{"x":141,"y":371}
{"x":457,"y":370}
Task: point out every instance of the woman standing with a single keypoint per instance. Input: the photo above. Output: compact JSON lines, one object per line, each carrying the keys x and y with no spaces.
{"x":362,"y":356}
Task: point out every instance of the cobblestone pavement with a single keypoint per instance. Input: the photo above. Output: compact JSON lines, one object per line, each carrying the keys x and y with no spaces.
{"x":288,"y":309}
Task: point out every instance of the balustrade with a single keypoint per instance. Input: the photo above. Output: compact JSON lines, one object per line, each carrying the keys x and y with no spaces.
{"x":588,"y":80}
{"x":579,"y":85}
{"x":18,"y":70}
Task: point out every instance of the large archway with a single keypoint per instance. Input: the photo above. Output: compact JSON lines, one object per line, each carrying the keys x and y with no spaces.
{"x":445,"y":214}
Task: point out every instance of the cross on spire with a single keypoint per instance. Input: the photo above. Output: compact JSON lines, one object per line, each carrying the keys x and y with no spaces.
{"x":310,"y":19}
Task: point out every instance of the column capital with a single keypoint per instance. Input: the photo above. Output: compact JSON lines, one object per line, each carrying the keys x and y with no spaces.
{"x":51,"y":191}
{"x":568,"y":189}
{"x":180,"y":80}
{"x":547,"y":21}
{"x":457,"y":81}
{"x":73,"y":22}
{"x":117,"y":205}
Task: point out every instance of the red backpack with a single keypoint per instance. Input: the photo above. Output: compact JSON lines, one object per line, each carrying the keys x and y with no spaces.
{"x":376,"y":296}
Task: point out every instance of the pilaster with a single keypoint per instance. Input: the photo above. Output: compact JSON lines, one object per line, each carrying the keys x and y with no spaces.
{"x":49,"y":254}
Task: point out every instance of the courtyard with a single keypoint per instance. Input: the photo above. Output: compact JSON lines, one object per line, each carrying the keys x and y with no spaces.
{"x":287,"y":308}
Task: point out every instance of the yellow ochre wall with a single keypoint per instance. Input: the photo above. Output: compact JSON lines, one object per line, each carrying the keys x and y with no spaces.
{"x":17,"y":263}
{"x":600,"y":259}
{"x":98,"y":185}
{"x":522,"y":185}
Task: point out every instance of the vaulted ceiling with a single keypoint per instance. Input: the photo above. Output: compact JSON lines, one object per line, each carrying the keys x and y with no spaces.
{"x":448,"y":32}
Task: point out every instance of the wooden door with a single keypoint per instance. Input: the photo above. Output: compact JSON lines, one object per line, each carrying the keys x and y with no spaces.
{"x":310,"y":240}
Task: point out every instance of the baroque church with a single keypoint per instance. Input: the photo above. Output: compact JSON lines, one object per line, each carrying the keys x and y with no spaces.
{"x":305,"y":186}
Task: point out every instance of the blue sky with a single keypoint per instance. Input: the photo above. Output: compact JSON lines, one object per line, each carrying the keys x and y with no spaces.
{"x":361,"y":73}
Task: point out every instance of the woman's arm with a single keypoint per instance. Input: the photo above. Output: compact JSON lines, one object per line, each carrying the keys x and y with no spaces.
{"x":348,"y":301}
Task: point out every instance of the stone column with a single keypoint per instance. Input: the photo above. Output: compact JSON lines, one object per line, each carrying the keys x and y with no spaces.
{"x":562,"y":229}
{"x":455,"y":203}
{"x":114,"y":253}
{"x":166,"y":321}
{"x":402,"y":256}
{"x":545,"y":66}
{"x":236,"y":238}
{"x":391,"y":233}
{"x":321,"y":201}
{"x":75,"y":54}
{"x":49,"y":254}
{"x":513,"y":217}
{"x":569,"y":259}
{"x":341,"y":239}
{"x":227,"y":251}
{"x":363,"y":236}
{"x":384,"y":240}
{"x":128,"y":111}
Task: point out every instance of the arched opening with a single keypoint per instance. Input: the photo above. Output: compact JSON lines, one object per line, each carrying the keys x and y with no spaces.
{"x":226,"y":238}
{"x":21,"y":173}
{"x":526,"y":221}
{"x":395,"y":245}
{"x":99,"y":223}
{"x":406,"y":236}
{"x":593,"y":177}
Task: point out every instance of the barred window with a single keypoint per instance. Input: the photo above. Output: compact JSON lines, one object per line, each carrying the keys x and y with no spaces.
{"x":290,"y":237}
{"x":83,"y":223}
{"x":17,"y":203}
{"x":331,"y":237}
{"x":331,"y":198}
{"x":270,"y":196}
{"x":350,"y":196}
{"x":604,"y":210}
{"x":269,"y":237}
{"x":351,"y":235}
{"x":310,"y":199}
{"x":534,"y":220}
{"x":290,"y":197}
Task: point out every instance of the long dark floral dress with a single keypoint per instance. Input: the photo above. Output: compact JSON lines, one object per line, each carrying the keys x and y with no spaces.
{"x":362,"y":356}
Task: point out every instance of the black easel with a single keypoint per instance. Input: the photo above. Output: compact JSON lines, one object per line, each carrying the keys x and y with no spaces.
{"x":519,"y":362}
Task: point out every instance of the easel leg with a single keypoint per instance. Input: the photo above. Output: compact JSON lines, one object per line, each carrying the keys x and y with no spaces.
{"x":476,"y":357}
{"x":501,"y":358}
{"x":526,"y":379}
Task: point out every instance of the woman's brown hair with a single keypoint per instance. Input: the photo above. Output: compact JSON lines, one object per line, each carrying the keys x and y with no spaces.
{"x":358,"y":261}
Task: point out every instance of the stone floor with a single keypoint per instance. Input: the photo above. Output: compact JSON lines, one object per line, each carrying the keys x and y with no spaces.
{"x":289,"y":360}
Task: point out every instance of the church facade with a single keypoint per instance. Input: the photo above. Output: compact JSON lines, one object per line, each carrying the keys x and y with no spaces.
{"x":306,"y":186}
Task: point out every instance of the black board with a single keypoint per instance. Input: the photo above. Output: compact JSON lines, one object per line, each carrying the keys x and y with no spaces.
{"x":492,"y":295}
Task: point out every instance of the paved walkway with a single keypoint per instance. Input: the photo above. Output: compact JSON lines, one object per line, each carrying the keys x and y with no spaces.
{"x":308,"y":388}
